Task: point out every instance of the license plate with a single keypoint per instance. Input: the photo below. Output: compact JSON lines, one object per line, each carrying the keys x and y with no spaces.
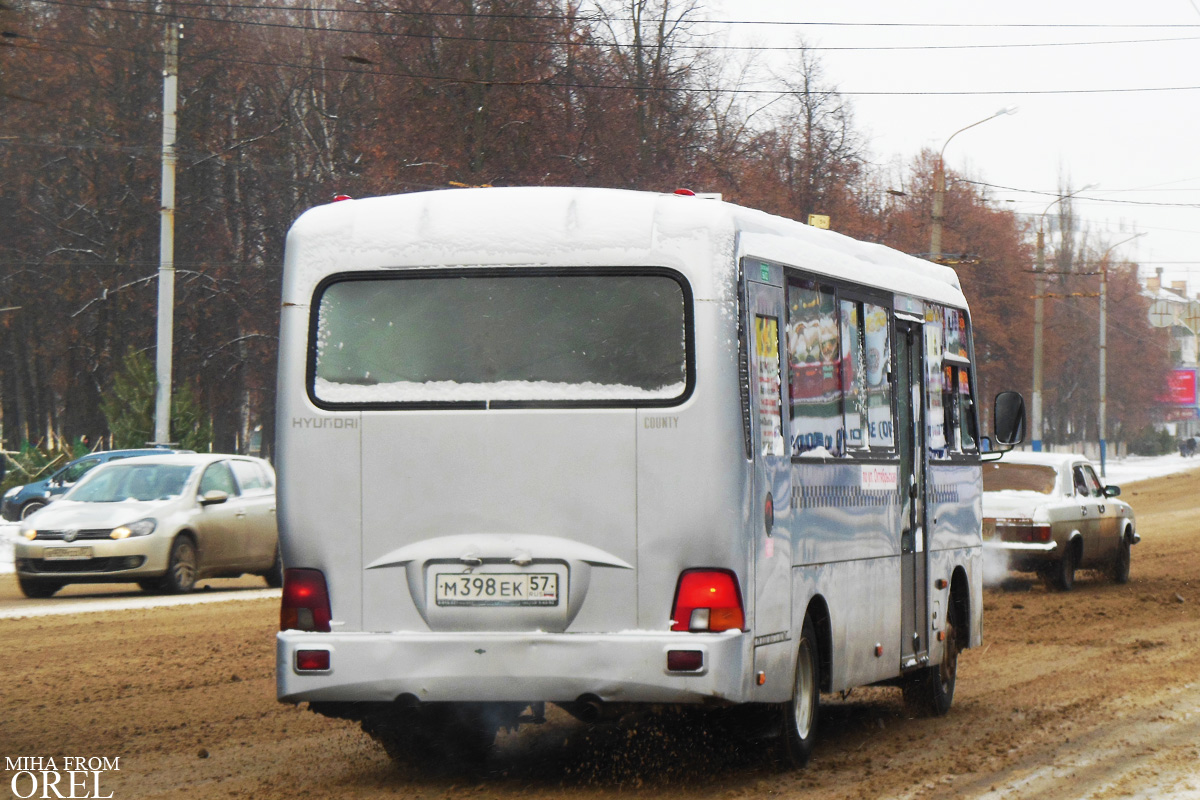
{"x":496,"y":589}
{"x":66,"y":553}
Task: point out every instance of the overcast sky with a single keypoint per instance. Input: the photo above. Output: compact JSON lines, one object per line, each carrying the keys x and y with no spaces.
{"x":1139,"y":145}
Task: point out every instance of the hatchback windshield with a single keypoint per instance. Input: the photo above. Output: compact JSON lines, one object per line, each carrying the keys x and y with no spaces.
{"x":119,"y":482}
{"x":1019,"y":477}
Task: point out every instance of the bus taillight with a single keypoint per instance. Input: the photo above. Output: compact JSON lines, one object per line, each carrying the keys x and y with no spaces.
{"x":305,"y":604}
{"x":707,"y":600}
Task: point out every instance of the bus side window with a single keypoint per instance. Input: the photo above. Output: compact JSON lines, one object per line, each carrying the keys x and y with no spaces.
{"x":877,"y":337}
{"x":854,"y":376}
{"x":950,"y":406}
{"x":966,"y":404}
{"x":935,"y":416}
{"x":814,"y":369}
{"x":957,"y":412}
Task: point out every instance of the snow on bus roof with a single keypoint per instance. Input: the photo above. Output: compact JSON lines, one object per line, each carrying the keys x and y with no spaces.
{"x":534,"y":226}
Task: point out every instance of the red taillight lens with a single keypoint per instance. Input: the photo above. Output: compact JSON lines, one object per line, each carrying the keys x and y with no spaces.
{"x":707,"y":600}
{"x":1021,"y":530}
{"x":305,"y":601}
{"x":312,"y":660}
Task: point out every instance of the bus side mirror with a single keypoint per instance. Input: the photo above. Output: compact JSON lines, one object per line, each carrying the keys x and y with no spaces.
{"x":1009,"y":419}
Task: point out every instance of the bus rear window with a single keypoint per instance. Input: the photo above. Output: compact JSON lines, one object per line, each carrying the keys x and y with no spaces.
{"x":525,"y":336}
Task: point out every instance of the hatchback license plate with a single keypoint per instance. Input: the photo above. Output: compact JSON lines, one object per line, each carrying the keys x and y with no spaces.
{"x":496,"y":589}
{"x":66,"y":553}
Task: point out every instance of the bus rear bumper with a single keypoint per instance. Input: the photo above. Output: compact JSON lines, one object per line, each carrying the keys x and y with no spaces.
{"x":510,"y":667}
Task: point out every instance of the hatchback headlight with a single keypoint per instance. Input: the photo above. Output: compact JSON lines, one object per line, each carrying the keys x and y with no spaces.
{"x":143,"y":527}
{"x":12,"y":492}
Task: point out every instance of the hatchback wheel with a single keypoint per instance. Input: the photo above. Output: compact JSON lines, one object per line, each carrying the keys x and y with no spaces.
{"x":38,"y":587}
{"x":274,"y":575}
{"x":181,"y":568}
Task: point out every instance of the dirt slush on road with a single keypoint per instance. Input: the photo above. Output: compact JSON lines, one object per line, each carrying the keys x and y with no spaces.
{"x":1091,"y":693}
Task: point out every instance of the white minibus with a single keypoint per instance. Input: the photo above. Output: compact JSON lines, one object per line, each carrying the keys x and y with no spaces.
{"x":610,"y":449}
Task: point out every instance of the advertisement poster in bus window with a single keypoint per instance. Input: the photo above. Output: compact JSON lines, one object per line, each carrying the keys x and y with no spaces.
{"x":766,"y":356}
{"x":814,"y":367}
{"x":966,"y":410}
{"x":879,"y":360}
{"x":854,"y":375}
{"x":935,"y":421}
{"x":951,"y":335}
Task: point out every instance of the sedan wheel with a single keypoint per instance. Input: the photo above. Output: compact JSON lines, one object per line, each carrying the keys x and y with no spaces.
{"x":1120,"y":566}
{"x":181,"y":568}
{"x":1061,"y":574}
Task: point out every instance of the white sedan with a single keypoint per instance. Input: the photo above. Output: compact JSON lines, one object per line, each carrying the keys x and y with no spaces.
{"x":1050,"y":513}
{"x":161,"y":521}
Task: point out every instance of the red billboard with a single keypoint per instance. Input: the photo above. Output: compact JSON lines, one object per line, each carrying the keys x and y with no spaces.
{"x":1181,"y":388}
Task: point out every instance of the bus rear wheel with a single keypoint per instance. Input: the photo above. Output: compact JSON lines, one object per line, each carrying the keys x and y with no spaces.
{"x":799,"y":715}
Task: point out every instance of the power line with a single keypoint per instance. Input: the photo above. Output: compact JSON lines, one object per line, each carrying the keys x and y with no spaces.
{"x":584,"y":43}
{"x":534,"y":83}
{"x":790,"y":23}
{"x":1079,"y":197}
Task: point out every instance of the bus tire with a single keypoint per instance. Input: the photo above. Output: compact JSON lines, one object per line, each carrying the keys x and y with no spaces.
{"x":438,"y":735}
{"x":799,"y":715}
{"x":930,"y":691}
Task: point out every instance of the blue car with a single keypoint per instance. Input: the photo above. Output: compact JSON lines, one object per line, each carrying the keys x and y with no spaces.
{"x":21,"y":501}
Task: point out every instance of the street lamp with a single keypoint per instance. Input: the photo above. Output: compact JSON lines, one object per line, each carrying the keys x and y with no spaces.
{"x":1039,"y":315}
{"x":1104,"y":346}
{"x":939,"y":186}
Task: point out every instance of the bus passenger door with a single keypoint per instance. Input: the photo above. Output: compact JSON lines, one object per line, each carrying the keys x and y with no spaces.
{"x":771,"y":492}
{"x":910,"y":430}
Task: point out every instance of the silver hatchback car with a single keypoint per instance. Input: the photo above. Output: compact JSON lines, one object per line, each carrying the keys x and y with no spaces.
{"x":163,"y":522}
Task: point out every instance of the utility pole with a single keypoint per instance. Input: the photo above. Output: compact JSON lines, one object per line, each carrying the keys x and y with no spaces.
{"x":166,"y":247}
{"x":1102,"y":422}
{"x":1039,"y":317}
